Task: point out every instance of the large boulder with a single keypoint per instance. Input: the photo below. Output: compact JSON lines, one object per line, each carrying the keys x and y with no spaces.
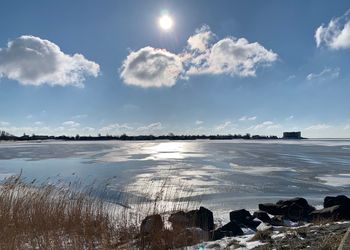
{"x":152,"y":224}
{"x":202,"y":218}
{"x":243,"y":218}
{"x":295,"y":209}
{"x":272,"y":208}
{"x":263,"y":216}
{"x":241,"y":215}
{"x":180,"y":220}
{"x":341,"y":200}
{"x":335,"y":213}
{"x":228,"y":230}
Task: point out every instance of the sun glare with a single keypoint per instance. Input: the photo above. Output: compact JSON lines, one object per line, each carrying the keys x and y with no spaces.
{"x":166,"y":22}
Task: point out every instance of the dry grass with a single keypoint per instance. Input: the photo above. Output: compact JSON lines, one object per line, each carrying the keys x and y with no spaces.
{"x":45,"y":216}
{"x":262,"y":236}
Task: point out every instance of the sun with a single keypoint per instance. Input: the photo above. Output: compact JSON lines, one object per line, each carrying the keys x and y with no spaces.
{"x":166,"y":22}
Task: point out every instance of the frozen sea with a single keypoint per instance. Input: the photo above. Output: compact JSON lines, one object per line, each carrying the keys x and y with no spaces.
{"x":222,"y":175}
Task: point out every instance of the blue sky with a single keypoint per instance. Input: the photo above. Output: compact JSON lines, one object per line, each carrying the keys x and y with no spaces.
{"x":259,"y":67}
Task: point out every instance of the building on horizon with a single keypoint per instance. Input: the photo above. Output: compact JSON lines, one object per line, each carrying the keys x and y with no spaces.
{"x":292,"y":135}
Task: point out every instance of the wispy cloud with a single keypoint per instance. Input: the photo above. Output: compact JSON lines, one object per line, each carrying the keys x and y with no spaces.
{"x":266,"y":125}
{"x":247,"y":118}
{"x":326,"y":74}
{"x":319,"y":126}
{"x":336,"y":34}
{"x":80,"y":116}
{"x":2,"y":123}
{"x":71,"y":124}
{"x":151,"y":127}
{"x":223,"y":126}
{"x":198,"y":122}
{"x":115,"y":128}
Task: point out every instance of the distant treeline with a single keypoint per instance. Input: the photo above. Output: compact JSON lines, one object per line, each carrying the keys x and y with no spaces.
{"x":4,"y":136}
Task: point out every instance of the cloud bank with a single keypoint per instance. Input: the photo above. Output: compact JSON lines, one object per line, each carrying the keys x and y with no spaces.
{"x":31,"y":60}
{"x":335,"y":35}
{"x":204,"y":54}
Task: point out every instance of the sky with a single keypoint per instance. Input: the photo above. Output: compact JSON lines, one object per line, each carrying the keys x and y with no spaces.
{"x":217,"y":67}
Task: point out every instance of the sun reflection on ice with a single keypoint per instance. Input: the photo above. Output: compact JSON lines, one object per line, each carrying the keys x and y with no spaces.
{"x":170,"y":150}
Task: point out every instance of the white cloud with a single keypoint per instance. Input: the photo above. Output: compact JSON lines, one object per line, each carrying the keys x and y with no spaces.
{"x":320,"y":126}
{"x":31,"y":60}
{"x":71,"y":124}
{"x":198,"y":122}
{"x":223,"y":125}
{"x":201,"y":39}
{"x":247,"y":118}
{"x":38,"y":123}
{"x":291,"y":77}
{"x":335,"y":35}
{"x":347,"y":126}
{"x":231,"y":56}
{"x":151,"y":127}
{"x":115,"y":128}
{"x":2,"y":123}
{"x":266,"y":125}
{"x":151,"y":67}
{"x":291,"y":117}
{"x":326,"y":74}
{"x":85,"y":130}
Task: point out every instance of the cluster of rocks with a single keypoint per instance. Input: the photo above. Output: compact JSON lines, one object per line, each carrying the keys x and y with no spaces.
{"x":335,"y":208}
{"x":198,"y":225}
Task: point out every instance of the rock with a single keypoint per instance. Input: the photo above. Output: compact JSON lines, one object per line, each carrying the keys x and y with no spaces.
{"x":277,"y":220}
{"x":228,"y":230}
{"x":205,"y":219}
{"x":179,"y":220}
{"x":335,"y":213}
{"x":263,"y":216}
{"x":152,"y":224}
{"x":243,"y":218}
{"x":295,"y":209}
{"x":298,"y":200}
{"x":331,"y":201}
{"x":202,"y":218}
{"x":241,"y":215}
{"x":271,"y":208}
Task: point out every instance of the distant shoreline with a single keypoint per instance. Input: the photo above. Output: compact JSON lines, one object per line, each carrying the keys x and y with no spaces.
{"x":141,"y":138}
